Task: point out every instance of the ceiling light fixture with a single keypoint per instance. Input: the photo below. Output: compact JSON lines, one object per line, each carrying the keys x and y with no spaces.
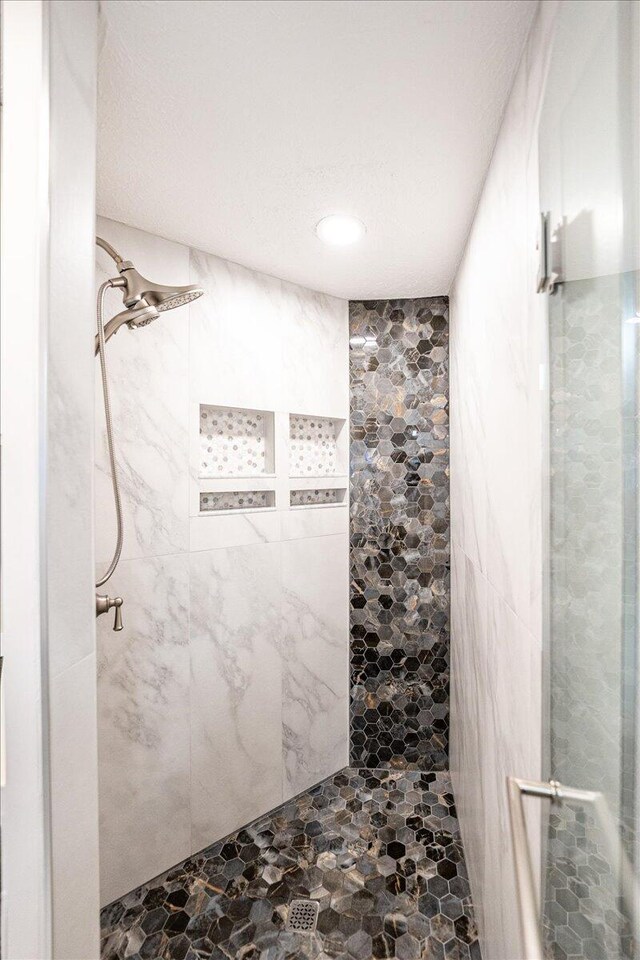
{"x":339,"y":230}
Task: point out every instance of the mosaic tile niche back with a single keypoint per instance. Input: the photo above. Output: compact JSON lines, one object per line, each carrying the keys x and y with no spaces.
{"x":399,"y":527}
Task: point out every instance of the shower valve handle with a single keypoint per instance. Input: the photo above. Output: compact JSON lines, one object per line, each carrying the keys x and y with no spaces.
{"x":104,"y":604}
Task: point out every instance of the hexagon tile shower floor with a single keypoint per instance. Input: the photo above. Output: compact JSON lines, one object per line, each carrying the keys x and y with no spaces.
{"x":379,"y":850}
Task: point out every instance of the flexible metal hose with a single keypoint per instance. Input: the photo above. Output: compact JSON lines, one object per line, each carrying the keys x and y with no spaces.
{"x":107,"y":415}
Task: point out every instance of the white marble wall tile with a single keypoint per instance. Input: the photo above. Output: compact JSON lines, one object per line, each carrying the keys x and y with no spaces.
{"x":468,"y":363}
{"x":70,"y":365}
{"x":235,"y":530}
{"x":69,"y":607}
{"x":469,"y":706}
{"x":315,"y":662}
{"x":143,"y":710}
{"x":497,"y":475}
{"x":251,"y":342}
{"x":148,"y":379}
{"x":508,"y":397}
{"x":237,"y":331}
{"x":236,"y":688}
{"x":297,"y":524}
{"x":513,"y":738}
{"x":315,"y":361}
{"x":74,"y":811}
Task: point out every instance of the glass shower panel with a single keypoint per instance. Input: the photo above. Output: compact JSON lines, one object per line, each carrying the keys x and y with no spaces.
{"x":589,"y":181}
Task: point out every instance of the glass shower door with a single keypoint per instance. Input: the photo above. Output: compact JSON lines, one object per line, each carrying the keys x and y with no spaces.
{"x":588,"y":150}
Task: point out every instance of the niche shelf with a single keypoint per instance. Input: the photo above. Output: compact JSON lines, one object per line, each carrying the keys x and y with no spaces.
{"x":228,"y":500}
{"x":322,"y":497}
{"x":315,"y":447}
{"x":235,"y":442}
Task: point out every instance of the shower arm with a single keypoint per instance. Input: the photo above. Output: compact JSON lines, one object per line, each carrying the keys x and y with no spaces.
{"x":113,"y":253}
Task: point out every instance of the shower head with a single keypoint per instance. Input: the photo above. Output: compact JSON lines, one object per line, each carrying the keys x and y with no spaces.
{"x":144,"y":301}
{"x":139,"y":289}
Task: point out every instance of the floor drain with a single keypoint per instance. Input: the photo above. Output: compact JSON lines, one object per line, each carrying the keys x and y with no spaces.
{"x":303,"y":916}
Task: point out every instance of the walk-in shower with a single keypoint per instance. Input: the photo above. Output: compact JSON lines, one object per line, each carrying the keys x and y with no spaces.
{"x":144,"y":301}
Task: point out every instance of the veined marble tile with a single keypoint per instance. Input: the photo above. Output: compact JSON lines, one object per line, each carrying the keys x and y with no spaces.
{"x":74,"y":809}
{"x":469,"y":493}
{"x":235,"y":530}
{"x":512,"y":737}
{"x":143,"y":711}
{"x":470,"y":694}
{"x":72,"y":749}
{"x":148,"y":380}
{"x":237,"y":331}
{"x":497,"y":338}
{"x":315,"y":659}
{"x":328,"y":521}
{"x":236,"y":688}
{"x":315,"y":357}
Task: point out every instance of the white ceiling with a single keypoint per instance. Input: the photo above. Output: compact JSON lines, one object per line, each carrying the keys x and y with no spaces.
{"x":235,"y":125}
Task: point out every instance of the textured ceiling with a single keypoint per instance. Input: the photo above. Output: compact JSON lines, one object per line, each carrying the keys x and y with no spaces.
{"x":235,"y":125}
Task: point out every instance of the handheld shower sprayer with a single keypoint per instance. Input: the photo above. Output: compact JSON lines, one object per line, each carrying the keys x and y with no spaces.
{"x":144,"y":301}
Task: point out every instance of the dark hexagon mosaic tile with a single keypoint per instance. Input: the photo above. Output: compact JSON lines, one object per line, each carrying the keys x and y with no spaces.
{"x":399,"y":353}
{"x":380,"y":852}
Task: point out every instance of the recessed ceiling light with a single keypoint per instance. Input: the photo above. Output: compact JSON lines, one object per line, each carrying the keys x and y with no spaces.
{"x":340,"y":230}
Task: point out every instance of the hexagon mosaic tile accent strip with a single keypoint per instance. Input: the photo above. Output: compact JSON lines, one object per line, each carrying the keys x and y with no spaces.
{"x":379,"y":851}
{"x":399,"y":354}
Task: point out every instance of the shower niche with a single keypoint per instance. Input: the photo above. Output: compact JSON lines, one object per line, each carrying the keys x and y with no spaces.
{"x":317,"y":446}
{"x":236,"y":461}
{"x":235,"y":442}
{"x":211,"y":501}
{"x":248,"y":460}
{"x":318,"y":462}
{"x":317,"y":497}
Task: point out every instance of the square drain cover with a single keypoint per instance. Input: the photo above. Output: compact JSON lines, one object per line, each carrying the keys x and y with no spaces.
{"x":303,"y":916}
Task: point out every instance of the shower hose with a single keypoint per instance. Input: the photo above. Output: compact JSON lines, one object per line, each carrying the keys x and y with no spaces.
{"x":107,"y":415}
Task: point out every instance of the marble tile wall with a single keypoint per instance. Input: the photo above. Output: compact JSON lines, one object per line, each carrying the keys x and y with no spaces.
{"x":69,"y":622}
{"x":227,"y":691}
{"x":498,"y":327}
{"x":399,"y":355}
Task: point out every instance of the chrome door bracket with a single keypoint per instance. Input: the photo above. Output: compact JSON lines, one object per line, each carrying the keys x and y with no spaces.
{"x":548,"y":279}
{"x":525,"y":881}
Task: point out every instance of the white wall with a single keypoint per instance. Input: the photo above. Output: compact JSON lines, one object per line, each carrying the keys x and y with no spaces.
{"x":227,"y":690}
{"x":49,"y":803}
{"x":26,"y":880}
{"x":497,"y":412}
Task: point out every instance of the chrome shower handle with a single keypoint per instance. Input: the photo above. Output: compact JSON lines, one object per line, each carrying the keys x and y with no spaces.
{"x":104,"y":604}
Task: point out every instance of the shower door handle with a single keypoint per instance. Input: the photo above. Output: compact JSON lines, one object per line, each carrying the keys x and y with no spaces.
{"x":525,"y":882}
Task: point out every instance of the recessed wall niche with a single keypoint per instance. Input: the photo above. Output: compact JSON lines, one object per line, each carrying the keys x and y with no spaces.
{"x":315,"y":449}
{"x":235,"y":442}
{"x":317,"y":498}
{"x":236,"y":500}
